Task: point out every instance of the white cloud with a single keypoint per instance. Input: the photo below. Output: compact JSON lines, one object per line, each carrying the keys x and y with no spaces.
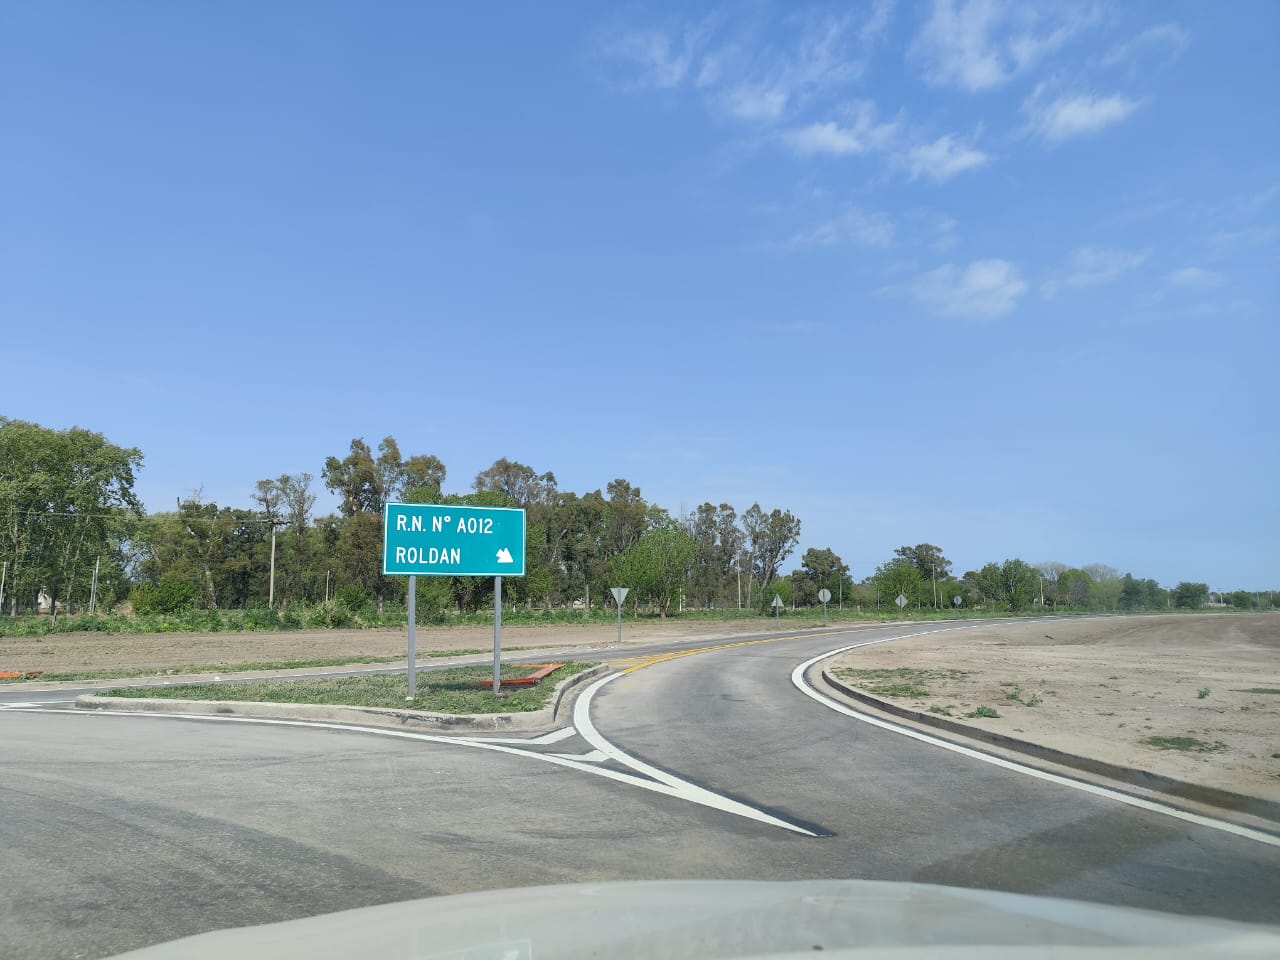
{"x":983,"y":290}
{"x":1091,"y":267}
{"x":853,"y":225}
{"x":861,"y":134}
{"x":662,"y":62}
{"x":981,"y":44}
{"x":943,"y":159}
{"x":754,"y":70}
{"x":1168,"y":39}
{"x":1076,"y":116}
{"x":1195,"y":278}
{"x":1256,"y":236}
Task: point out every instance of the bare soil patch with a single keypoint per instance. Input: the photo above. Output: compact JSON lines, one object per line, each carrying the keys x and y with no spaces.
{"x":142,"y":653}
{"x":1181,"y":696}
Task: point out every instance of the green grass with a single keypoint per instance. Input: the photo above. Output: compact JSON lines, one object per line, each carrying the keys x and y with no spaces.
{"x":1258,"y":690}
{"x":1202,"y":693}
{"x":121,"y":672}
{"x":945,"y":711}
{"x":983,"y":711}
{"x":903,"y":682}
{"x":439,"y":691}
{"x":1186,"y":744}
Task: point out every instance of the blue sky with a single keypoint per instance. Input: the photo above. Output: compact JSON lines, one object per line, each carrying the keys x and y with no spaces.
{"x":998,"y":276}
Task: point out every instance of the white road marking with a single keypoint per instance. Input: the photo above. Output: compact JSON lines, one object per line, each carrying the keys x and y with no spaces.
{"x":667,"y":785}
{"x":797,"y":678}
{"x":595,"y":756}
{"x":30,"y":703}
{"x":555,"y":736}
{"x":690,"y":792}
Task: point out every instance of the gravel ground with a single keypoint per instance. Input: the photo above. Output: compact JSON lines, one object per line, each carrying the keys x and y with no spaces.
{"x":1102,"y":687}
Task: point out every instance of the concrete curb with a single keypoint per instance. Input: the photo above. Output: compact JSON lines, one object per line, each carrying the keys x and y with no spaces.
{"x":1130,"y":776}
{"x":544,"y":720}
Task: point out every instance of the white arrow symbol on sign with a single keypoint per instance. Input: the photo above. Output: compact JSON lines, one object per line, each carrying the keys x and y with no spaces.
{"x":504,"y":556}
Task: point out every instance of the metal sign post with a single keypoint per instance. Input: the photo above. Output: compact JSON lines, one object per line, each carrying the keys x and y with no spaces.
{"x":825,"y":596}
{"x":497,"y":634}
{"x":956,"y":600}
{"x":901,"y":601}
{"x":413,"y":645}
{"x":620,"y":595}
{"x":777,"y":606}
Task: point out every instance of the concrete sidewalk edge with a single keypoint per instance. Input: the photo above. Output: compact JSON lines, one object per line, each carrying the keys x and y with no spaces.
{"x":534,"y":722}
{"x":1167,"y":789}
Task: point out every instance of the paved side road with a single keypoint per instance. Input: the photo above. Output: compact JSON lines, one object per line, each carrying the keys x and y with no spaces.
{"x":128,"y":830}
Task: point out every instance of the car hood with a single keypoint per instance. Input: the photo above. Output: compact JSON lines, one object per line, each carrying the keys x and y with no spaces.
{"x":713,"y":919}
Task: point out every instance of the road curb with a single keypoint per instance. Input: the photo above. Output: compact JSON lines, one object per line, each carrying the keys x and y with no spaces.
{"x":1167,"y":787}
{"x":544,"y":720}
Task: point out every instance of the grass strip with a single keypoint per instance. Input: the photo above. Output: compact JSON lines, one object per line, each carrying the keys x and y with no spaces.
{"x":904,"y":682}
{"x":122,"y":672}
{"x":1186,"y":744}
{"x":439,"y":691}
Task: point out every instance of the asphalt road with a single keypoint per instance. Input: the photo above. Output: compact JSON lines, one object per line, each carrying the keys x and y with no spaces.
{"x":121,"y":831}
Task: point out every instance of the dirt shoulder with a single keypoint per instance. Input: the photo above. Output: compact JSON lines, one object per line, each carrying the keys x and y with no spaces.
{"x":1104,"y":688}
{"x":138,"y":654}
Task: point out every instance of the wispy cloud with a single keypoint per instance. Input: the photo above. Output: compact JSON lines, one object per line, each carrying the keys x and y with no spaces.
{"x":660,"y":59}
{"x":1076,"y":115}
{"x":983,"y":290}
{"x":942,"y":159}
{"x":1166,"y":40}
{"x":1195,"y":278}
{"x":1255,"y":236}
{"x":860,"y":132}
{"x":851,"y":226}
{"x":1091,"y":267}
{"x":751,"y":71}
{"x":982,"y":44}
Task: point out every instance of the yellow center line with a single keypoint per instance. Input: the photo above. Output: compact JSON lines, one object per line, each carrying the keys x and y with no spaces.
{"x":639,"y":663}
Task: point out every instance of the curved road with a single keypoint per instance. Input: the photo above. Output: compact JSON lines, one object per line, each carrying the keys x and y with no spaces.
{"x":124,"y":830}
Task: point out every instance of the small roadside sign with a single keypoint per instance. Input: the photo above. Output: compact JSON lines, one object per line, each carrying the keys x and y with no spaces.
{"x":777,"y":606}
{"x":825,"y":596}
{"x":957,"y":600}
{"x":901,"y":601}
{"x":619,"y":597}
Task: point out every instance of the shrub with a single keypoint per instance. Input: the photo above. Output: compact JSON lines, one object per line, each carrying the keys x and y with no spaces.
{"x":167,"y":596}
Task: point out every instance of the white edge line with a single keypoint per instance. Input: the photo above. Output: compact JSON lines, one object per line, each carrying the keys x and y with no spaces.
{"x":587,"y":730}
{"x":668,"y":786}
{"x":797,"y":678}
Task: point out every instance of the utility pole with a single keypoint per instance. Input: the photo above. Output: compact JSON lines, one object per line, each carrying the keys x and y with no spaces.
{"x":271,"y":587}
{"x":93,"y":591}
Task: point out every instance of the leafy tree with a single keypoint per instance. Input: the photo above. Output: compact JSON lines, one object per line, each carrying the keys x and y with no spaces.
{"x":657,"y":566}
{"x":1190,"y":596}
{"x":366,"y":485}
{"x":1013,"y":583}
{"x":1073,"y":588}
{"x":771,"y":537}
{"x":66,"y":499}
{"x":521,"y":483}
{"x":715,"y":531}
{"x":819,"y":569}
{"x":1240,"y":599}
{"x":1133,"y":594}
{"x":929,"y":561}
{"x":898,"y":577}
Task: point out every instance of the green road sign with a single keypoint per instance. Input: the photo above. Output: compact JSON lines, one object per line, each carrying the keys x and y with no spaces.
{"x":433,"y":540}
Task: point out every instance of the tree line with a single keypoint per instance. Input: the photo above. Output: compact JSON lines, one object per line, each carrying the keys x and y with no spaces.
{"x":76,"y":536}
